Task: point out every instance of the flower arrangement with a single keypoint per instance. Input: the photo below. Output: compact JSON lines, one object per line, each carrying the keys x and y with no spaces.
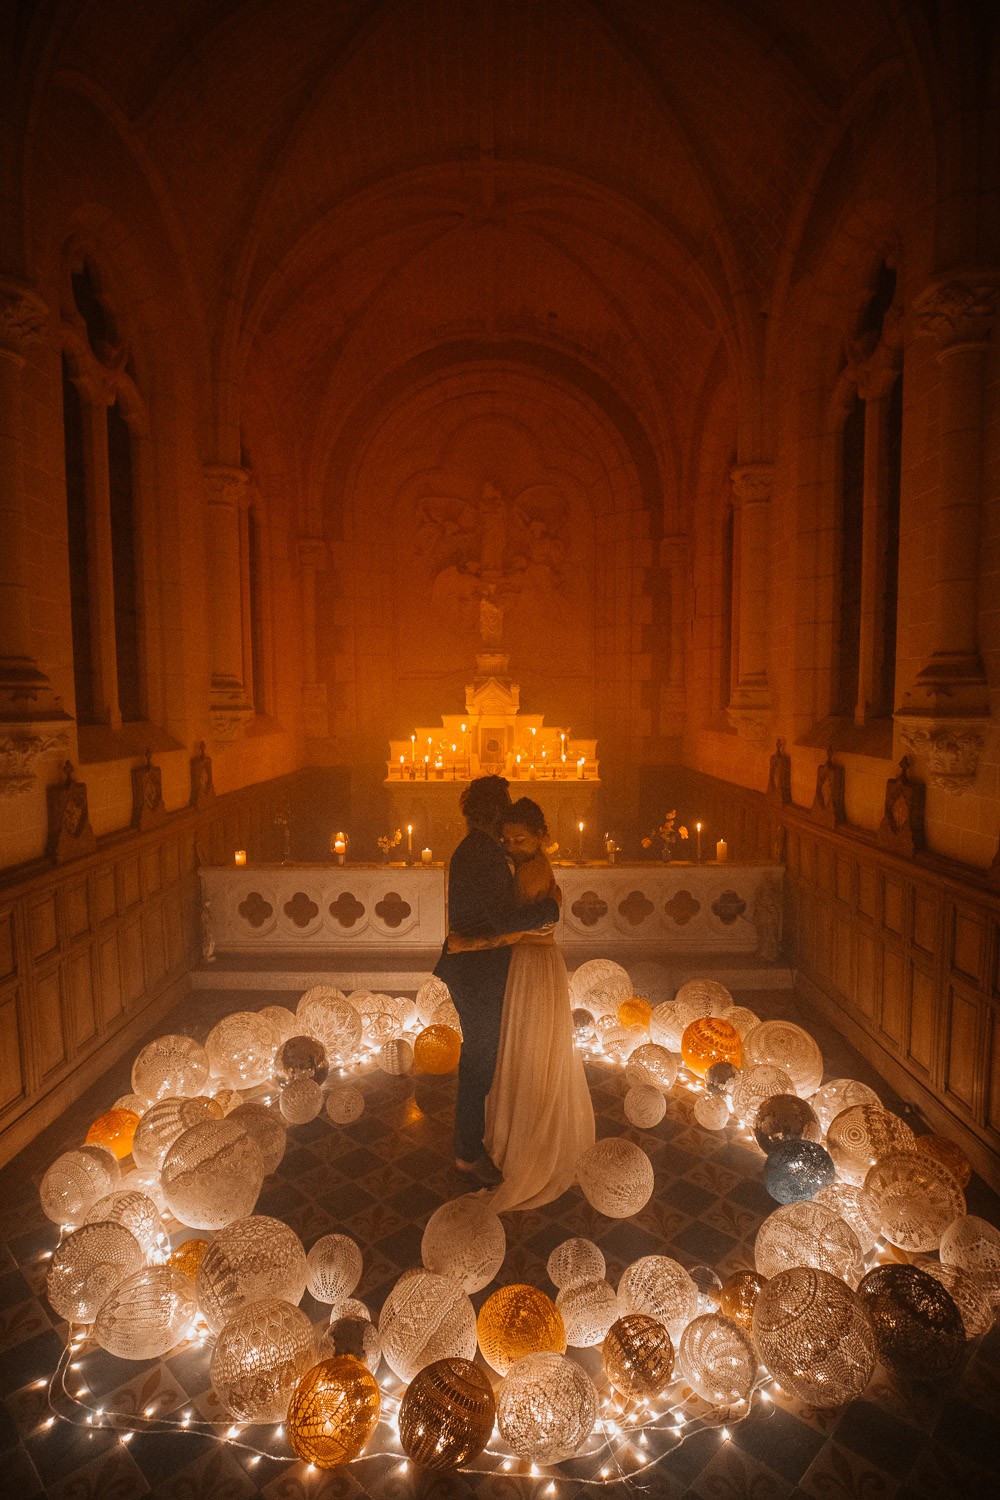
{"x":663,"y":838}
{"x":388,"y":841}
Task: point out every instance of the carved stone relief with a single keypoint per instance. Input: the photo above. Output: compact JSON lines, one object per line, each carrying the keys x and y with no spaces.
{"x":21,"y":748}
{"x":950,"y":749}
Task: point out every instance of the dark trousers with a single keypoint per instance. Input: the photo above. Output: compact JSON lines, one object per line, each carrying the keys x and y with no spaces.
{"x":477,"y":982}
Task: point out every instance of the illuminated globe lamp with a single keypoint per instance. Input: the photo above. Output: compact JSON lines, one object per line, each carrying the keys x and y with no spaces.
{"x":132,"y":1103}
{"x":333,"y":1268}
{"x":395,"y":1056}
{"x":739,"y":1294}
{"x":741,"y":1019}
{"x":644,"y":1106}
{"x":188,"y":1257}
{"x":588,"y":1309}
{"x":785,"y":1117}
{"x":241,"y":1049}
{"x":212,"y":1174}
{"x":174,"y":1066}
{"x":282,"y":1019}
{"x":638,"y":1357}
{"x":265,"y":1126}
{"x":703,"y":997}
{"x":721,"y":1078}
{"x":447,"y":1015}
{"x":653,"y":1065}
{"x":325,"y":1014}
{"x":87,"y":1266}
{"x":259,"y":1358}
{"x":447,"y":1414}
{"x":616,"y":1177}
{"x":515,"y":1321}
{"x":300,"y":1101}
{"x":755,"y":1084}
{"x":465,"y":1240}
{"x":74,"y":1183}
{"x":660,"y":1288}
{"x":547,"y":1408}
{"x":917,"y":1327}
{"x":635,"y":1012}
{"x":425,"y":1318}
{"x":784,"y":1045}
{"x":969,"y":1297}
{"x":848,"y":1204}
{"x":432,"y":993}
{"x":808,"y":1234}
{"x":437,"y":1049}
{"x":147,"y":1314}
{"x":839,"y":1094}
{"x":709,"y":1040}
{"x":163,"y":1122}
{"x":947,"y":1154}
{"x":583,"y":1023}
{"x":350,"y":1308}
{"x":913,"y":1197}
{"x":575,"y":1260}
{"x":711,"y":1111}
{"x":972,"y":1244}
{"x":135,"y":1211}
{"x":251,"y":1260}
{"x":717,"y":1359}
{"x":114,"y":1130}
{"x":333,"y":1412}
{"x":666,"y":1026}
{"x":344,"y":1104}
{"x":796,"y":1170}
{"x":300,"y":1057}
{"x":813,"y":1334}
{"x":600,"y":984}
{"x":862,"y":1133}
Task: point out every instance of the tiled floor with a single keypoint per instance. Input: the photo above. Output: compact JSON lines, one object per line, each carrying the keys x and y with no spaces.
{"x":378,"y":1180}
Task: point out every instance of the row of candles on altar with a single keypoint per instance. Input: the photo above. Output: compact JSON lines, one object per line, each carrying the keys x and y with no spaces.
{"x":338,"y":847}
{"x":537,"y":760}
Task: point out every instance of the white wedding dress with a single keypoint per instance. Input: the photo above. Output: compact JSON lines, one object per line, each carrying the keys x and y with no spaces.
{"x":539,"y":1117}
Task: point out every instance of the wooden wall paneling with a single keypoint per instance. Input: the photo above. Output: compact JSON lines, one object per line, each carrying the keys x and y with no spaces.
{"x":922,"y":1040}
{"x":78,"y":992}
{"x":47,"y":1023}
{"x":991,"y":1104}
{"x":133,"y":973}
{"x":13,"y":1052}
{"x":108,"y":970}
{"x":964,"y":1051}
{"x":129,"y":882}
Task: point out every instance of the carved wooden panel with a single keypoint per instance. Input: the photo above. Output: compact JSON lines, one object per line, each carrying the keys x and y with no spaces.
{"x":968,"y":951}
{"x":8,"y":962}
{"x":923,"y":1020}
{"x":109,"y":984}
{"x":43,"y":934}
{"x":81,"y":1018}
{"x":868,"y":892}
{"x":965,"y":1015}
{"x":47,"y":1025}
{"x":992,"y":1111}
{"x":131,"y":882}
{"x":865,"y":991}
{"x":132,"y":971}
{"x":892,"y":905}
{"x":13,"y":1072}
{"x":846,"y":871}
{"x":75,"y":909}
{"x":843,"y":954}
{"x":153,"y":944}
{"x":104,"y":895}
{"x":925,"y":923}
{"x":173,"y":920}
{"x":893,"y":1008}
{"x":150,"y":867}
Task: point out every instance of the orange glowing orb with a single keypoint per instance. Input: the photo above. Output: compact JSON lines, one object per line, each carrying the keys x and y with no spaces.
{"x":635,"y":1012}
{"x":519,"y":1320}
{"x":710,"y":1040}
{"x":334,"y":1411}
{"x":437,"y":1050}
{"x":115,"y":1131}
{"x":188,"y":1257}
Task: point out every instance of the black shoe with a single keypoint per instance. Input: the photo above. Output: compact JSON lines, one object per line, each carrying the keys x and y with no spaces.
{"x":482,"y":1172}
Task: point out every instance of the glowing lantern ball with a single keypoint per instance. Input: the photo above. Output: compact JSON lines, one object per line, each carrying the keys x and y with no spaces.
{"x":638,"y":1356}
{"x":785,"y":1117}
{"x":809,"y":1234}
{"x":425,"y":1318}
{"x":703,"y":997}
{"x":969,"y":1297}
{"x":87,"y":1266}
{"x":518,"y":1320}
{"x":635,"y":1012}
{"x":717,"y":1360}
{"x":547,"y":1408}
{"x":644,"y":1106}
{"x":114,"y":1130}
{"x":282,"y":1019}
{"x":653,"y":1065}
{"x":344,"y":1104}
{"x":333,"y":1413}
{"x":464,"y":1239}
{"x":300,"y":1057}
{"x":588,"y":1309}
{"x":813,"y":1334}
{"x":616,"y":1177}
{"x":333,"y":1268}
{"x":248,"y":1261}
{"x":739,"y":1294}
{"x":241,"y":1049}
{"x":784,"y":1045}
{"x":432,"y":993}
{"x":913,"y":1197}
{"x":447,"y":1414}
{"x":796,"y":1170}
{"x":753,"y":1086}
{"x":575,"y":1260}
{"x":170,"y":1065}
{"x":947,"y":1154}
{"x":163,"y":1122}
{"x":135,"y":1211}
{"x":917,"y":1327}
{"x":709,"y":1040}
{"x":188,"y":1257}
{"x":300,"y":1101}
{"x":666,"y":1026}
{"x":212,"y":1174}
{"x":721,"y":1078}
{"x":711,"y":1111}
{"x":659,"y":1287}
{"x":265,"y":1126}
{"x":396,"y":1056}
{"x":259,"y":1358}
{"x":599,"y":984}
{"x":437,"y":1049}
{"x":860,"y":1134}
{"x":325,"y":1014}
{"x":972,"y":1244}
{"x":839,"y":1094}
{"x":147,"y":1315}
{"x":846,"y":1202}
{"x":74,"y":1183}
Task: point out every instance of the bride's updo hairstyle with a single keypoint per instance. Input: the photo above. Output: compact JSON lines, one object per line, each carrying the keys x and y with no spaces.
{"x":528,"y":814}
{"x":485,"y":803}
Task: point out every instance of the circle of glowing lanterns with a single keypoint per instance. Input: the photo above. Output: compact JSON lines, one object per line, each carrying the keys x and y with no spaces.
{"x":425,"y":1318}
{"x":333,"y":1412}
{"x":333,"y":1268}
{"x":447,"y":1414}
{"x":717,"y":1360}
{"x":575,"y":1260}
{"x":212,"y":1174}
{"x":147,"y":1314}
{"x":248,"y":1261}
{"x":814,"y":1335}
{"x":87,"y":1266}
{"x":437,"y":1049}
{"x":588,"y":1309}
{"x":518,"y":1320}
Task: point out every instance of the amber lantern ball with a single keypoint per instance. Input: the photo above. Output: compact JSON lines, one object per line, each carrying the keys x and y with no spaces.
{"x":333,"y":1412}
{"x":941,"y":1150}
{"x":437,"y":1050}
{"x":115,"y":1130}
{"x":638,"y":1357}
{"x":738,"y":1295}
{"x":918,"y":1329}
{"x":635,"y":1012}
{"x":709,"y":1040}
{"x":188,"y":1257}
{"x":447,"y":1414}
{"x":518,"y":1320}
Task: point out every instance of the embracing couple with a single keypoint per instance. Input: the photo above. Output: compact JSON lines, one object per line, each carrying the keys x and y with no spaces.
{"x":523,"y":1112}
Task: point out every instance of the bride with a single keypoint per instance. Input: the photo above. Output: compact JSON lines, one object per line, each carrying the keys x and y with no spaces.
{"x":539,"y":1117}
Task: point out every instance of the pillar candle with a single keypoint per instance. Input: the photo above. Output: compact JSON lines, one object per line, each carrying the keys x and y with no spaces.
{"x":426,"y":855}
{"x":240,"y":857}
{"x":721,"y":852}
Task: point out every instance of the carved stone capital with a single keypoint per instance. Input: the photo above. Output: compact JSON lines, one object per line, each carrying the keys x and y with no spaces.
{"x":230,"y":723}
{"x":23,"y":316}
{"x":21,"y":748}
{"x":959,"y":310}
{"x":750,"y":718}
{"x":227,"y":485}
{"x":313,"y":553}
{"x":949,"y":748}
{"x":752,"y":483}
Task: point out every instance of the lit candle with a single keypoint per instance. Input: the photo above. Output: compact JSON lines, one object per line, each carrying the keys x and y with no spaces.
{"x":427,"y":765}
{"x":426,"y":856}
{"x":454,"y":762}
{"x":698,"y":831}
{"x":340,"y":847}
{"x":413,"y":747}
{"x":721,"y":852}
{"x":580,"y":766}
{"x":409,"y":840}
{"x":240,"y":857}
{"x":580,"y":828}
{"x":401,"y":767}
{"x":517,"y":764}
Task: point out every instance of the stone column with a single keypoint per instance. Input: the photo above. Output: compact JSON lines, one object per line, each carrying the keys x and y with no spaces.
{"x":313,"y":558}
{"x":230,"y":711}
{"x":675,"y":557}
{"x":750,"y":705}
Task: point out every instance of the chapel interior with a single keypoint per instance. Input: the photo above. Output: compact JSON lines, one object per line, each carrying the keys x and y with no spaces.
{"x":603,"y":393}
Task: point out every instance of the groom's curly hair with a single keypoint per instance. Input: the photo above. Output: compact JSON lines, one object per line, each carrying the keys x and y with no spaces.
{"x":485,"y":802}
{"x":528,"y":814}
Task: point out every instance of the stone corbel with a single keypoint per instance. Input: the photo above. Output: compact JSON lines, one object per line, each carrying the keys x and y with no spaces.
{"x":21,"y":748}
{"x":750,"y":718}
{"x":958,"y":311}
{"x":948,"y":748}
{"x":23,"y":317}
{"x":230,"y":723}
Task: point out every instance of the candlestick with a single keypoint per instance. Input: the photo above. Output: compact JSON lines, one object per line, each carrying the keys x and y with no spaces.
{"x":409,"y":840}
{"x":401,"y":758}
{"x":413,"y":747}
{"x":339,"y":845}
{"x":698,"y":831}
{"x":721,"y":852}
{"x":580,"y":827}
{"x":240,"y":857}
{"x":517,"y":766}
{"x":427,"y":767}
{"x":580,"y":767}
{"x":454,"y":763}
{"x":426,"y":855}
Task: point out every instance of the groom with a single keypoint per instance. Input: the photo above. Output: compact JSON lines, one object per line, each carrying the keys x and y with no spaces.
{"x":482,"y":903}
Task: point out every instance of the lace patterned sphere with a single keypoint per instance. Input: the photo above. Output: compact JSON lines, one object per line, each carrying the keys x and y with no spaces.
{"x":796,"y":1170}
{"x":738,"y":1295}
{"x":446,"y":1015}
{"x":740,"y":1019}
{"x":188,"y":1257}
{"x":660,"y":1288}
{"x":212,"y":1174}
{"x":653,"y":1065}
{"x":357,"y":1337}
{"x":813,"y":1334}
{"x":133,"y":1103}
{"x":708,"y":1286}
{"x":717,"y":1359}
{"x":241,"y":1049}
{"x":638,"y":1357}
{"x":709,"y":1040}
{"x":784,"y":1045}
{"x":406,"y":1011}
{"x":350,"y":1307}
{"x":146,"y":1183}
{"x":599,"y":985}
{"x":135,"y":1211}
{"x":847,"y":1203}
{"x":424,"y":1318}
{"x":947,"y":1154}
{"x":711,"y":1111}
{"x":87,"y":1266}
{"x":300,"y":1057}
{"x":300,"y":1101}
{"x":251,"y":1260}
{"x":333,"y":1412}
{"x":465,"y":1240}
{"x":282,"y":1019}
{"x":437,"y":1049}
{"x":265,"y":1126}
{"x":616,"y":1177}
{"x":575,"y":1260}
{"x":547,"y":1408}
{"x":918,"y":1330}
{"x":808,"y":1234}
{"x":588,"y":1309}
{"x":583,"y":1023}
{"x":644,"y":1106}
{"x":259,"y":1358}
{"x":447,"y":1414}
{"x":605,"y":1023}
{"x":914,"y":1199}
{"x":839,"y":1094}
{"x":860,"y":1134}
{"x":635,"y":1012}
{"x":325,"y":1014}
{"x":755,"y":1084}
{"x":163,"y":1122}
{"x":666,"y":1026}
{"x":227,"y":1100}
{"x":106,"y":1160}
{"x":379,"y":1021}
{"x":518,"y":1320}
{"x":344,"y":1104}
{"x":147,"y":1314}
{"x":170,"y":1066}
{"x":75,"y":1181}
{"x":972,"y":1301}
{"x":785,"y":1117}
{"x":721,"y":1078}
{"x":114,"y":1130}
{"x":395,"y":1056}
{"x":622,"y":1041}
{"x":334,"y":1268}
{"x":703,"y":997}
{"x":432,"y":993}
{"x":971,"y":1244}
